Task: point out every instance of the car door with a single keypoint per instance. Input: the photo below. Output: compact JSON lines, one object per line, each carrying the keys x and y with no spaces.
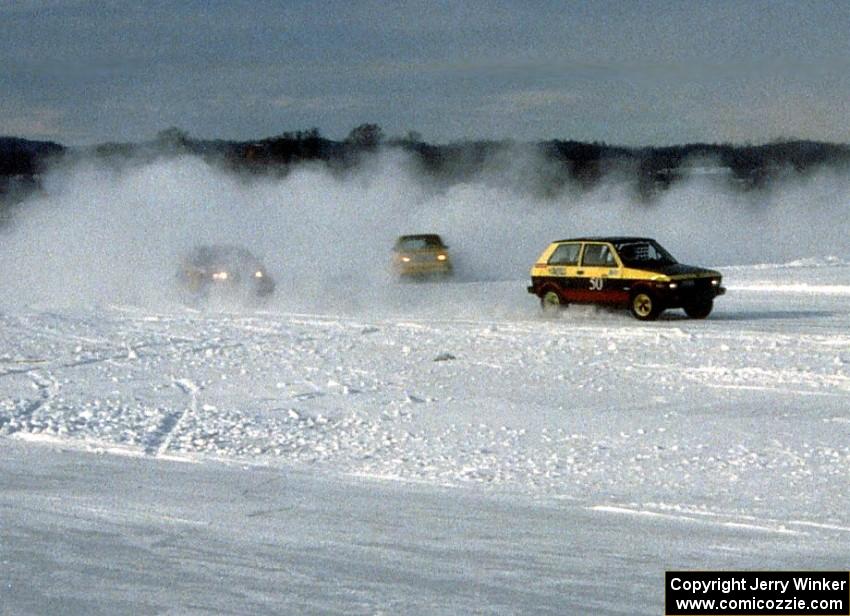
{"x":599,"y":275}
{"x":562,"y":266}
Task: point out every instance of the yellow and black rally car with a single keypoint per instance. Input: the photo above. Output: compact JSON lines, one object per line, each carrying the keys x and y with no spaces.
{"x":634,"y":272}
{"x":421,"y":255}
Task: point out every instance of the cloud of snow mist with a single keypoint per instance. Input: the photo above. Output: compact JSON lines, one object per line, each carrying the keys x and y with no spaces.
{"x":115,"y":235}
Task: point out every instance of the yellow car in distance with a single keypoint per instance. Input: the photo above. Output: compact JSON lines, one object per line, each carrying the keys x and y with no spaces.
{"x":420,"y":256}
{"x":632,"y":272}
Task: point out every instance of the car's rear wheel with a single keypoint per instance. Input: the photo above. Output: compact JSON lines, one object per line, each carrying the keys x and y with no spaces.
{"x":699,"y":310}
{"x":551,"y":304}
{"x":644,"y":306}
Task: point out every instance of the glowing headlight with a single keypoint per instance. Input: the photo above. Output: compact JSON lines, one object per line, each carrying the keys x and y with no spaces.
{"x":674,"y":285}
{"x":406,"y":259}
{"x":441,"y":257}
{"x":220,"y":276}
{"x":715,"y":282}
{"x":258,"y":274}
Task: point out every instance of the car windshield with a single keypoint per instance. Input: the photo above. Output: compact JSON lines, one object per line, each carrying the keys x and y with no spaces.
{"x":419,"y":242}
{"x":224,"y":256}
{"x":643,"y":252}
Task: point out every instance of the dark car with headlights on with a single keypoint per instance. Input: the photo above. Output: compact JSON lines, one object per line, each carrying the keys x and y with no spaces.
{"x":225,"y":271}
{"x":633,"y":272}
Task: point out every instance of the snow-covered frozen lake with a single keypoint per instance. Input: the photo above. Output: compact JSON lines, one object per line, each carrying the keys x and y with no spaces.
{"x":445,"y":451}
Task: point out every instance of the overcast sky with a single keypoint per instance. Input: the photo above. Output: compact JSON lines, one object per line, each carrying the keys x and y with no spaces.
{"x":632,"y":73}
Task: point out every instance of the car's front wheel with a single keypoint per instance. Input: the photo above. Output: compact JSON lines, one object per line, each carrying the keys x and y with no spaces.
{"x":699,"y":310}
{"x":644,"y":306}
{"x":551,"y":304}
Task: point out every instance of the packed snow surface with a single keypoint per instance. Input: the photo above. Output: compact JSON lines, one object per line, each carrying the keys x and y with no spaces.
{"x":737,"y":424}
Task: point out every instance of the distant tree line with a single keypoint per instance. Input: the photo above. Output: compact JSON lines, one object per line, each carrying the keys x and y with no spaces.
{"x":651,"y":169}
{"x":21,"y":164}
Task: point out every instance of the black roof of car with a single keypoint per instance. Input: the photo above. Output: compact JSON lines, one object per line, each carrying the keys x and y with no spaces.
{"x":219,"y":252}
{"x":613,"y":239}
{"x":417,"y":236}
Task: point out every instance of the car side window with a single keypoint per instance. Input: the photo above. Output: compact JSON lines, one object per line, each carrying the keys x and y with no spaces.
{"x":598,"y":255}
{"x":565,"y":254}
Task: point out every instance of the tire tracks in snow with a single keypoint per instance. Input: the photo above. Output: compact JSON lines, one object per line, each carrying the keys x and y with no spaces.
{"x":161,"y":438}
{"x":47,"y":388}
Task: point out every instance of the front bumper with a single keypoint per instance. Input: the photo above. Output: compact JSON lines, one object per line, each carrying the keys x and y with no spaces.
{"x":424,"y":268}
{"x":262,"y":287}
{"x":683,"y":296}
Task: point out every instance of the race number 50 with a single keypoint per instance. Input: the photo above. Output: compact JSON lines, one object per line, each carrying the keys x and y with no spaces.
{"x":596,"y":284}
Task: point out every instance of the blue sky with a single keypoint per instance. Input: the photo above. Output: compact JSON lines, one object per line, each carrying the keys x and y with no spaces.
{"x":632,"y":73}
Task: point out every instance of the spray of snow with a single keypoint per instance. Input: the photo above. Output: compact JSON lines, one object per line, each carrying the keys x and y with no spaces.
{"x":107,"y":235}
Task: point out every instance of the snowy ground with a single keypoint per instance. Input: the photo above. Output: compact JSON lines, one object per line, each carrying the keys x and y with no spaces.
{"x":444,"y":451}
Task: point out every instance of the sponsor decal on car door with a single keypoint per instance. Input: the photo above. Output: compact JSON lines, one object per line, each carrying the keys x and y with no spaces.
{"x":598,"y":277}
{"x":562,"y":266}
